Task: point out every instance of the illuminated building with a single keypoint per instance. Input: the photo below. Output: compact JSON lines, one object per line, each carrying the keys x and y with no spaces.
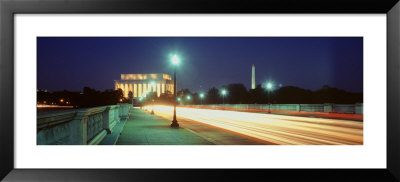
{"x":142,"y":84}
{"x":253,"y":77}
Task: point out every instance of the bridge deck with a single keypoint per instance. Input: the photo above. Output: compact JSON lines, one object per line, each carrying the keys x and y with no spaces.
{"x":143,"y":128}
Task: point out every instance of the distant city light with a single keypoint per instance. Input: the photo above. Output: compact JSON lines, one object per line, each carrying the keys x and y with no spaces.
{"x":175,"y":59}
{"x":141,"y":98}
{"x":179,"y":99}
{"x":61,"y":100}
{"x":188,"y":97}
{"x":120,"y":100}
{"x":201,"y":95}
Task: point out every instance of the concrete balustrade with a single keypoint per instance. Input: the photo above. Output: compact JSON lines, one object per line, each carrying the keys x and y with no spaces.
{"x":81,"y":126}
{"x":322,"y":108}
{"x":124,"y":111}
{"x":359,"y":108}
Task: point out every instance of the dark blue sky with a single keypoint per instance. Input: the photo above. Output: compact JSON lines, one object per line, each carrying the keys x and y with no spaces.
{"x":308,"y":62}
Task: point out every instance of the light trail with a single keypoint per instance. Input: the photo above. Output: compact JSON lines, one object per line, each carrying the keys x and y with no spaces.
{"x":278,"y":129}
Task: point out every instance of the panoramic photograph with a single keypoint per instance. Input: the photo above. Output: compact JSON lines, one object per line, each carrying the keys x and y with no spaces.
{"x":199,"y":91}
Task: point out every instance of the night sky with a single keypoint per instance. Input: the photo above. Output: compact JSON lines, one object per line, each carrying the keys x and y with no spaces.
{"x":70,"y":63}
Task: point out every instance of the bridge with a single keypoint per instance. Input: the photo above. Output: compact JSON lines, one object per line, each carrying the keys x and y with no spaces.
{"x":240,"y":124}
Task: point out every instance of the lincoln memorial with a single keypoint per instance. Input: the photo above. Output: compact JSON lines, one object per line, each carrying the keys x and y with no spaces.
{"x":142,"y":84}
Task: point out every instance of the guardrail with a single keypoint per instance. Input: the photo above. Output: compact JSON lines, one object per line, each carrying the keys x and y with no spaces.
{"x":322,"y":108}
{"x":81,"y":126}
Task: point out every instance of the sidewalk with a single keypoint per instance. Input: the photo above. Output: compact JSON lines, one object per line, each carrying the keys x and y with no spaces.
{"x":143,"y":128}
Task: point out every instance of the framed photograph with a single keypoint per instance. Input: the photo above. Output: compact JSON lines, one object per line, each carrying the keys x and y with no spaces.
{"x":122,"y":91}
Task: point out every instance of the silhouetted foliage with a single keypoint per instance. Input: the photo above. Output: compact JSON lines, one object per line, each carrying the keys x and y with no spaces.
{"x":88,"y":98}
{"x":333,"y":95}
{"x":291,"y":94}
{"x":258,"y":96}
{"x":212,"y":96}
{"x":236,"y":94}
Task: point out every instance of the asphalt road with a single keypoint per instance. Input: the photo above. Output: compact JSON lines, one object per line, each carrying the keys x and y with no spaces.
{"x":276,"y":129}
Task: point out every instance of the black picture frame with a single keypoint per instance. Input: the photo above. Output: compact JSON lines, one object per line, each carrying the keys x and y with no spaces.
{"x":9,"y":8}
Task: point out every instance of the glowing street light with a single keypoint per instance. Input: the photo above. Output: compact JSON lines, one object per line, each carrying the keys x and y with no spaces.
{"x":223,"y":93}
{"x":175,"y":59}
{"x":175,"y":62}
{"x":201,"y":97}
{"x":188,"y":97}
{"x":270,"y":87}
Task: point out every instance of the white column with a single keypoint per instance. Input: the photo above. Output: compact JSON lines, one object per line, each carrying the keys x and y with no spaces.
{"x":163,"y":88}
{"x":144,"y":89}
{"x":126,"y":90}
{"x":135,"y":90}
{"x":158,"y":90}
{"x":140,"y":89}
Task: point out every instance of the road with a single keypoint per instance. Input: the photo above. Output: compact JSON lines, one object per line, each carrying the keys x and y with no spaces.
{"x":276,"y":129}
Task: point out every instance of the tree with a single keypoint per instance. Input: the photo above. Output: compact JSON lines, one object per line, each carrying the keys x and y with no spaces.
{"x":258,"y":95}
{"x":237,"y":94}
{"x":291,"y":95}
{"x":213,"y":96}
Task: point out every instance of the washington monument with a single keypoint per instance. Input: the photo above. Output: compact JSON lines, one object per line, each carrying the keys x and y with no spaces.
{"x":253,"y":77}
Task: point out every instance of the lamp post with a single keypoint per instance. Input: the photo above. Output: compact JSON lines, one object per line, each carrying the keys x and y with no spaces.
{"x":175,"y":61}
{"x":201,"y":98}
{"x":223,"y":92}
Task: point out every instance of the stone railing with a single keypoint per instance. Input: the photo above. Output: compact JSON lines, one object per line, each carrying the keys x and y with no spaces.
{"x":323,"y":108}
{"x":81,"y":126}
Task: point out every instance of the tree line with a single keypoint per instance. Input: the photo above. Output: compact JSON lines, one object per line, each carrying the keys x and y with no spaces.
{"x":239,"y":94}
{"x":235,"y":94}
{"x":88,"y":98}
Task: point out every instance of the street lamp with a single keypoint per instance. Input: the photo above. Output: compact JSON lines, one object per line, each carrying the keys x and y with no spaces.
{"x":223,"y":93}
{"x":175,"y":62}
{"x":270,"y":86}
{"x":201,"y":97}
